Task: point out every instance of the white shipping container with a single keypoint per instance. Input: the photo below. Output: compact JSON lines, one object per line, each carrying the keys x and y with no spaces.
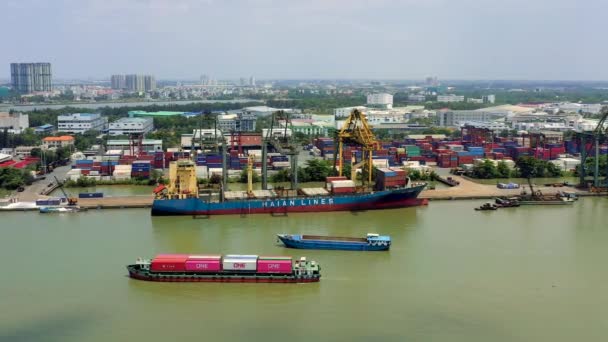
{"x":280,"y":164}
{"x":201,"y":171}
{"x":379,"y":163}
{"x":255,"y":153}
{"x":240,"y":264}
{"x":215,"y":171}
{"x":343,"y":184}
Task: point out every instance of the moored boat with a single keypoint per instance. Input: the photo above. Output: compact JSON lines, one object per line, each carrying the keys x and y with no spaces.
{"x":181,"y":197}
{"x":372,"y":242}
{"x":227,"y":268}
{"x":486,"y":206}
{"x":55,"y":209}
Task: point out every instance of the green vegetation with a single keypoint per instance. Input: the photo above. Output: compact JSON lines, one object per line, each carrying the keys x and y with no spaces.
{"x":316,"y":104}
{"x":417,"y":175}
{"x":156,"y":177}
{"x":255,"y":177}
{"x":11,"y":178}
{"x":316,"y":170}
{"x":526,"y":167}
{"x":590,"y":166}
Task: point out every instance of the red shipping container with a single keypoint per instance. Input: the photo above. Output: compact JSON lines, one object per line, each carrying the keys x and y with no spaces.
{"x":172,"y":264}
{"x":280,"y":265}
{"x":345,"y":190}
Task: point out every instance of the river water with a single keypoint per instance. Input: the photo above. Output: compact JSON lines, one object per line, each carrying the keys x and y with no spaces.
{"x":453,"y":274}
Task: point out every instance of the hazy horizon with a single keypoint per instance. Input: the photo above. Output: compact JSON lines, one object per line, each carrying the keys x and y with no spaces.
{"x":309,"y":40}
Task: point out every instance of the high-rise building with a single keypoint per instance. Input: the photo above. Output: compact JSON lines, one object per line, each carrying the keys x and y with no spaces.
{"x":149,"y":83}
{"x":381,"y":100}
{"x":205,"y":80}
{"x":243,"y":81}
{"x":119,"y":82}
{"x":30,"y":77}
{"x":252,"y":81}
{"x":135,"y":83}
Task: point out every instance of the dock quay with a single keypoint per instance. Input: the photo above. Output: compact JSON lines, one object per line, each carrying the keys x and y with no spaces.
{"x":118,"y":202}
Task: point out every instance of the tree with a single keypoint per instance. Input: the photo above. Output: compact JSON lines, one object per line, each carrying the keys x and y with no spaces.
{"x":244,"y":177}
{"x":528,"y":168}
{"x":281,"y":176}
{"x":502,"y":170}
{"x":485,"y":170}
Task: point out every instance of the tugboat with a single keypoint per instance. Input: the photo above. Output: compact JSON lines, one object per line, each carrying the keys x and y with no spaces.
{"x":225,"y":269}
{"x":372,"y":242}
{"x":487,"y":206}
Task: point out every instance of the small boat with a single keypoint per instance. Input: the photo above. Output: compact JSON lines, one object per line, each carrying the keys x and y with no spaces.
{"x":49,"y":210}
{"x":487,"y":206}
{"x":506,"y":203}
{"x":372,"y":242}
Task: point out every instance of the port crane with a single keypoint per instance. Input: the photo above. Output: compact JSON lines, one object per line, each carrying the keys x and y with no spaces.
{"x":357,"y":131}
{"x":279,"y":136}
{"x":595,"y":137}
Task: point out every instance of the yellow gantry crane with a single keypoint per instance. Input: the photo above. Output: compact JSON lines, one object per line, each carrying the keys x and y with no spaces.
{"x":357,"y":131}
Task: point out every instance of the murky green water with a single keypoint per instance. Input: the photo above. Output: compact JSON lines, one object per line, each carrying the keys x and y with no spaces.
{"x":453,"y":274}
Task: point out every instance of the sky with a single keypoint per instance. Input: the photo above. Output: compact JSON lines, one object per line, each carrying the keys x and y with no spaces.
{"x":309,"y":39}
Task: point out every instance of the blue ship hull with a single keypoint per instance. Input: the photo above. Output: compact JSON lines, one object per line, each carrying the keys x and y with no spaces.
{"x":399,"y":198}
{"x":296,"y":241}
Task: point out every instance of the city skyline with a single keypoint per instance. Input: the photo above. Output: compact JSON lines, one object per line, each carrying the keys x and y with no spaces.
{"x":317,"y":39}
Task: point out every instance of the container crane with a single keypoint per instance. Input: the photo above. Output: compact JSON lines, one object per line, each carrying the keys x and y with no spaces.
{"x":357,"y":131}
{"x":595,"y":137}
{"x":279,"y":136}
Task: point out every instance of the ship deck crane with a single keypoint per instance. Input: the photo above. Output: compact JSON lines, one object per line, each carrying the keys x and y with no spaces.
{"x":357,"y":131}
{"x":597,"y":136}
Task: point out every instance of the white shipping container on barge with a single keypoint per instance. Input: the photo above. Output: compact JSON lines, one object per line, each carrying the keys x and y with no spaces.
{"x":240,"y":263}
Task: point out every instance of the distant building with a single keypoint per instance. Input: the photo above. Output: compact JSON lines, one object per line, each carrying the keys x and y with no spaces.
{"x":31,"y":77}
{"x":14,"y":122}
{"x":344,"y":112}
{"x":381,"y":100}
{"x":489,"y":98}
{"x":148,"y":145}
{"x":135,"y":83}
{"x":310,"y":128}
{"x":48,"y":128}
{"x":416,"y":98}
{"x":456,"y":118}
{"x":239,"y":122}
{"x":450,"y":98}
{"x":149,"y":83}
{"x":125,"y":126}
{"x":81,"y":122}
{"x":252,"y":81}
{"x":119,"y":82}
{"x":53,"y":142}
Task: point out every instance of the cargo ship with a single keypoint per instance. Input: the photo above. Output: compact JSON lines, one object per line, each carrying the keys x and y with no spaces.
{"x":181,"y":196}
{"x":372,"y":242}
{"x":225,"y":269}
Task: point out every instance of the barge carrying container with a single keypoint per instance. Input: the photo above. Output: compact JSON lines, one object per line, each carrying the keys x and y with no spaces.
{"x":231,"y":268}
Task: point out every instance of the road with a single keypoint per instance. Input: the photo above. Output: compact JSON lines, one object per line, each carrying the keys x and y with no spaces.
{"x":32,"y":192}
